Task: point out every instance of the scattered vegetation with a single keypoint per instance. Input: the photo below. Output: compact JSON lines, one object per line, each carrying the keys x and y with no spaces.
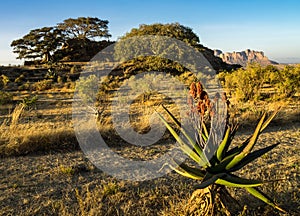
{"x":257,"y":83}
{"x":47,"y":132}
{"x":3,"y":81}
{"x":5,"y":97}
{"x":42,"y":85}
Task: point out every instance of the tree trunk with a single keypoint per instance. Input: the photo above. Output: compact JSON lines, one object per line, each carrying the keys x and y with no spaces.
{"x":213,"y":200}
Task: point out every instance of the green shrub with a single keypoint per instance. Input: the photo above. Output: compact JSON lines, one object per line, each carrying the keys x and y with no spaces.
{"x":86,"y":88}
{"x":60,"y":79}
{"x":25,"y":86}
{"x":42,"y":85}
{"x":29,"y":102}
{"x":20,"y":79}
{"x":3,"y":81}
{"x":255,"y":82}
{"x":246,"y":84}
{"x":286,"y":81}
{"x":5,"y":97}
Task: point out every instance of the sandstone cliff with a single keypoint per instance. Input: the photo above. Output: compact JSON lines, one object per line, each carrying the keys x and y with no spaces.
{"x":244,"y":57}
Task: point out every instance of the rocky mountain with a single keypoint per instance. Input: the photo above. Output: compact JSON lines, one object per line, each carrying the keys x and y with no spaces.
{"x":216,"y":62}
{"x":244,"y":57}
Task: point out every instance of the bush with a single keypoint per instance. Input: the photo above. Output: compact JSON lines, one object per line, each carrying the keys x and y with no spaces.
{"x":25,"y":86}
{"x":20,"y":79}
{"x":3,"y":81}
{"x":42,"y":85}
{"x":86,"y":88}
{"x":245,"y":84}
{"x":286,"y":81}
{"x":255,"y":82}
{"x":5,"y":97}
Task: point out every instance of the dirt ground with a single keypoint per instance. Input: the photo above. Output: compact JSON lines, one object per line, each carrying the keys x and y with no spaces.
{"x":62,"y":181}
{"x":66,"y":183}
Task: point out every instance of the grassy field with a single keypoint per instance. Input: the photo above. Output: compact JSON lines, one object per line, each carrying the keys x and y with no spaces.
{"x":44,"y":172}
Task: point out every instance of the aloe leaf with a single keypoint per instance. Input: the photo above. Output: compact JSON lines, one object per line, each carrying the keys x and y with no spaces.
{"x":233,"y":131}
{"x":245,"y":143}
{"x":267,"y":122}
{"x":221,"y":167}
{"x":249,"y":146}
{"x":260,"y":195}
{"x":234,"y":150}
{"x":251,"y":157}
{"x":195,"y":171}
{"x":231,"y":180}
{"x":193,"y":155}
{"x":255,"y":135}
{"x":205,"y":130}
{"x":184,"y":132}
{"x":208,"y":180}
{"x":221,"y":148}
{"x":184,"y":147}
{"x":186,"y":173}
{"x":172,"y":116}
{"x":205,"y":138}
{"x":191,"y":141}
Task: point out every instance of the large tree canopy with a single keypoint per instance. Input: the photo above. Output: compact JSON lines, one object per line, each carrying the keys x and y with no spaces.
{"x":85,"y":28}
{"x":42,"y":43}
{"x":38,"y":44}
{"x":173,"y":30}
{"x":133,"y":45}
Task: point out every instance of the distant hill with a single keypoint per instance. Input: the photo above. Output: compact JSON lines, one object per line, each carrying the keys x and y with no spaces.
{"x":244,"y":57}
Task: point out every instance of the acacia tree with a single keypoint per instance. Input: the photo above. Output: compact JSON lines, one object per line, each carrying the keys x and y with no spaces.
{"x":71,"y":35}
{"x":81,"y":37}
{"x":173,"y":30}
{"x":154,"y":45}
{"x":84,"y":28}
{"x":38,"y":44}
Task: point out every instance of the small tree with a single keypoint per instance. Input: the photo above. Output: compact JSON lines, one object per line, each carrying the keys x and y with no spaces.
{"x":38,"y":44}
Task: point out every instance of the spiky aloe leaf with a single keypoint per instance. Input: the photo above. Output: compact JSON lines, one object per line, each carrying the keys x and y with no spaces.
{"x":220,"y":151}
{"x":205,"y":131}
{"x":181,"y":170}
{"x":188,"y":137}
{"x":249,"y":146}
{"x":260,"y":195}
{"x":251,"y":157}
{"x":209,"y":179}
{"x":245,"y":143}
{"x":221,"y":167}
{"x":195,"y":171}
{"x":184,"y":147}
{"x":231,"y":180}
{"x":267,"y":122}
{"x":185,"y":133}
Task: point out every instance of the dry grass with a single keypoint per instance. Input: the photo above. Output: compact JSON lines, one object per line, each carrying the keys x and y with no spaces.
{"x":62,"y":182}
{"x":24,"y":139}
{"x":19,"y":138}
{"x":43,"y":172}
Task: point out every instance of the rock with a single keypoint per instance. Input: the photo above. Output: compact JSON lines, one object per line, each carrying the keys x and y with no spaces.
{"x":244,"y":57}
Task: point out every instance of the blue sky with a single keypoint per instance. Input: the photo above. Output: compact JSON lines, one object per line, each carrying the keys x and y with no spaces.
{"x":269,"y":26}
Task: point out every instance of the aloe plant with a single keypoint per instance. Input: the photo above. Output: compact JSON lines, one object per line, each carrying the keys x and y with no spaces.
{"x":219,"y":169}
